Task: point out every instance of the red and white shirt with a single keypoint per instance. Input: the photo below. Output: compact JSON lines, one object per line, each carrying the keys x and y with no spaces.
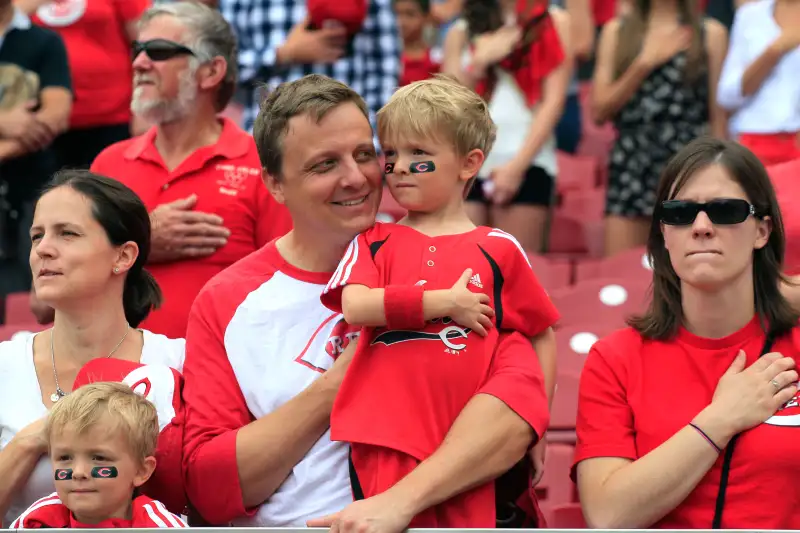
{"x":423,"y":379}
{"x":51,"y":513}
{"x":257,"y":336}
{"x":635,"y":394}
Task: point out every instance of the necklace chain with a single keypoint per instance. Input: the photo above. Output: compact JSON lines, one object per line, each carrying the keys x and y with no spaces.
{"x":58,"y":394}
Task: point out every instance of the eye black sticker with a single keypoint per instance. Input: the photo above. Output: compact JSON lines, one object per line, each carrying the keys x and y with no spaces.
{"x":104,"y":472}
{"x":421,"y":167}
{"x":388,"y":168}
{"x":63,"y":474}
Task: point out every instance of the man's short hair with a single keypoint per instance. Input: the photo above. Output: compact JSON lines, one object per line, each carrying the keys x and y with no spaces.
{"x":314,"y":95}
{"x":438,"y":108}
{"x":210,"y":36}
{"x":113,"y":406}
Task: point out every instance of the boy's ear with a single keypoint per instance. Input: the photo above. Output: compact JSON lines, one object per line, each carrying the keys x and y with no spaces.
{"x":472,"y":164}
{"x":146,"y":470}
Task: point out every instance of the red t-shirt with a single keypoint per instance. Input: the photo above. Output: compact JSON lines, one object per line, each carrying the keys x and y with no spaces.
{"x":635,"y":394}
{"x":226,"y":177}
{"x":51,"y":513}
{"x":417,"y":68}
{"x":404,"y":372}
{"x":603,"y":11}
{"x":99,"y":53}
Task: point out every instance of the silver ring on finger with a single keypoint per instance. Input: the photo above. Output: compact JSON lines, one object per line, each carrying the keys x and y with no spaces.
{"x":775,"y":384}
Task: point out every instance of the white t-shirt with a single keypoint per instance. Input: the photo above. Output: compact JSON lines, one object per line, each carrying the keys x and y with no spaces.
{"x":21,"y":402}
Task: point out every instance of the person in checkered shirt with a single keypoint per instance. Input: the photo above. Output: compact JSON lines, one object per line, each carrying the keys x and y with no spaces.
{"x":283,"y":40}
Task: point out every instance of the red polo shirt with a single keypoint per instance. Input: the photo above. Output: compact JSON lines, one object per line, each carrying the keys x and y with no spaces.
{"x":226,"y":177}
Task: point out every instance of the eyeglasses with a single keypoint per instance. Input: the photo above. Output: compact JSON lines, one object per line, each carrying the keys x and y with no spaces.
{"x":159,"y":49}
{"x":724,"y":211}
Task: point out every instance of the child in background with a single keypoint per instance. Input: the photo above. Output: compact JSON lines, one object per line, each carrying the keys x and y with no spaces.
{"x":102,"y":438}
{"x":431,"y":291}
{"x":418,"y":61}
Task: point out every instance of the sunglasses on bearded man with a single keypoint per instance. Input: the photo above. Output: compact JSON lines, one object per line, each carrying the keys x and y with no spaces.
{"x":159,"y":49}
{"x":723,"y":211}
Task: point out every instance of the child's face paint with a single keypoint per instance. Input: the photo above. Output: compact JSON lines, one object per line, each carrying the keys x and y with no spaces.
{"x":63,"y":474}
{"x":388,"y":168}
{"x":104,"y":472}
{"x":421,"y":167}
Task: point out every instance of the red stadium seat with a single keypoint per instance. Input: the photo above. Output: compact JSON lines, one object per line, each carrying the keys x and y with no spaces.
{"x":576,"y":172}
{"x":584,"y":204}
{"x":600,"y":303}
{"x":567,"y":516}
{"x":566,"y":235}
{"x":556,"y":488}
{"x":390,"y":208}
{"x":574,"y":343}
{"x":565,"y":402}
{"x":632,"y":264}
{"x":18,"y":309}
{"x":785,"y":179}
{"x":552,"y":274}
{"x":9,"y":330}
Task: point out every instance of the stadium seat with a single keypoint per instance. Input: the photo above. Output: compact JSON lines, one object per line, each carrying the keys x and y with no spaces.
{"x":389,"y":208}
{"x":576,"y":172}
{"x":632,"y":264}
{"x":587,"y":205}
{"x":565,"y":402}
{"x":555,"y":487}
{"x":566,"y":235}
{"x":566,"y":516}
{"x":7,"y":331}
{"x":18,"y":309}
{"x":552,"y":274}
{"x":573,"y":344}
{"x":787,"y":188}
{"x":600,"y":303}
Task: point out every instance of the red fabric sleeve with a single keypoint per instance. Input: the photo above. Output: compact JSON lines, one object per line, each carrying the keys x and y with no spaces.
{"x":525,"y":305}
{"x":356,"y":268}
{"x":605,"y":419}
{"x":516,"y":378}
{"x":47,"y":512}
{"x":130,"y":10}
{"x":215,"y":410}
{"x":272,"y":219}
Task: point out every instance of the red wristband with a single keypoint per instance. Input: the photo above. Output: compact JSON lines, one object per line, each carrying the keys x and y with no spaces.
{"x":403,"y":306}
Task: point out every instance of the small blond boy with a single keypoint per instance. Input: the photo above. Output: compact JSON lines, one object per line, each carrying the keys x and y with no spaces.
{"x":102,"y":440}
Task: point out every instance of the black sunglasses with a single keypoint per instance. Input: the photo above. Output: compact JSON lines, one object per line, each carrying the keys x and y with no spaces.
{"x":723,"y":211}
{"x":159,"y":49}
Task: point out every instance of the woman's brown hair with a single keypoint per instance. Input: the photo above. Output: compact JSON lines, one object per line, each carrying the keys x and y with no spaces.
{"x":665,"y":314}
{"x":633,"y":28}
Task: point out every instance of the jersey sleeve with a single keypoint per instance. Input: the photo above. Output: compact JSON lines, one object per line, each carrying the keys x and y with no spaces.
{"x":516,"y":379}
{"x":605,"y":419}
{"x":357,"y":267}
{"x":524,"y":305}
{"x":215,"y":411}
{"x":272,"y":218}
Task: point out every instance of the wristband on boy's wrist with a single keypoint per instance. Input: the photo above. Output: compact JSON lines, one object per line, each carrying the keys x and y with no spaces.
{"x":403,"y":306}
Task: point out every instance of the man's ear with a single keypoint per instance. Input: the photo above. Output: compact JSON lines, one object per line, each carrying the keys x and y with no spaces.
{"x":213,"y":73}
{"x":274,"y":186}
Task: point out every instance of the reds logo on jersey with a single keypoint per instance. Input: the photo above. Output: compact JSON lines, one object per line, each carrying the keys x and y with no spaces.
{"x":788,"y":414}
{"x":341,"y":336}
{"x":451,"y":335}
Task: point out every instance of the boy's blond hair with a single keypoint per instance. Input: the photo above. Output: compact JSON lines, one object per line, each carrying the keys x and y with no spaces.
{"x":112,"y":405}
{"x":439,"y":108}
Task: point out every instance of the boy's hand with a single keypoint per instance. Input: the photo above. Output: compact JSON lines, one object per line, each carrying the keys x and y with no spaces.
{"x":469,"y":309}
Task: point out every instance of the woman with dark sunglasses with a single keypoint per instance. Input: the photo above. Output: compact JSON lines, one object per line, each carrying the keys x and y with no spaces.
{"x":689,"y":417}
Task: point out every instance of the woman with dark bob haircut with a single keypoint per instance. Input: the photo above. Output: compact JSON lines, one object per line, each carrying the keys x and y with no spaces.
{"x":689,"y":418}
{"x":90,"y":239}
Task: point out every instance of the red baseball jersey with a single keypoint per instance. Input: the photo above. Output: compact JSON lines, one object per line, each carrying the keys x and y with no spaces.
{"x":635,"y":394}
{"x":162,"y":386}
{"x":51,"y":513}
{"x":425,"y":378}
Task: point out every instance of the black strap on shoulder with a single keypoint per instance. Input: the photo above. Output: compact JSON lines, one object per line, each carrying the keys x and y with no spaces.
{"x":726,"y":461}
